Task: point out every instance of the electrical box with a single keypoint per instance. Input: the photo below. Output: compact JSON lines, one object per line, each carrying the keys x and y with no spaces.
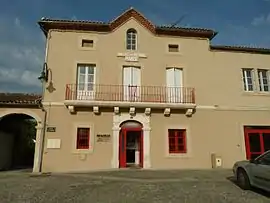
{"x":216,"y":161}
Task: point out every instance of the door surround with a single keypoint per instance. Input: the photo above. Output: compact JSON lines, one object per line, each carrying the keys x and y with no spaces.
{"x":145,"y":121}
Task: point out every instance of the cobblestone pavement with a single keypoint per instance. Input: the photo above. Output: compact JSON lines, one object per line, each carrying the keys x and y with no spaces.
{"x":126,"y":186}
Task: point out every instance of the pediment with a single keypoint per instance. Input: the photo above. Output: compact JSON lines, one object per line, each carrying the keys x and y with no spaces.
{"x":129,"y":14}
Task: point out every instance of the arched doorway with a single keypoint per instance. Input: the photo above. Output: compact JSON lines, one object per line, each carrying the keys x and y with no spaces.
{"x":17,"y":141}
{"x":131,"y":145}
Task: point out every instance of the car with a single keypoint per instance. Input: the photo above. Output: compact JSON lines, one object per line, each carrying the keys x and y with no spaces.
{"x":254,"y":172}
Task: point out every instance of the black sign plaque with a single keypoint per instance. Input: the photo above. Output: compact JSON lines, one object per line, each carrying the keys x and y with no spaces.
{"x":51,"y":129}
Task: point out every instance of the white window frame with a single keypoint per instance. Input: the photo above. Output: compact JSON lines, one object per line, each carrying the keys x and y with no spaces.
{"x":172,"y":92}
{"x":132,"y":90}
{"x":85,"y":93}
{"x":91,"y":137}
{"x":262,"y":86}
{"x":188,"y":153}
{"x":131,"y":35}
{"x":245,"y":79}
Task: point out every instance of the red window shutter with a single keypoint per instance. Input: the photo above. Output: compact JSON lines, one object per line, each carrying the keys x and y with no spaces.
{"x":177,"y":141}
{"x":83,"y":138}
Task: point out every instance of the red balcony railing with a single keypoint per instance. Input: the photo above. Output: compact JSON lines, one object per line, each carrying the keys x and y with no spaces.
{"x":123,"y":93}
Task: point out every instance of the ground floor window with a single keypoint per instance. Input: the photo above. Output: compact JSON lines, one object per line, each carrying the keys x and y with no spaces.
{"x":177,"y":141}
{"x":83,"y":138}
{"x":257,"y":140}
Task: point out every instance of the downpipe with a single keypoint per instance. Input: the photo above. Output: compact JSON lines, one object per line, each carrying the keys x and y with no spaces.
{"x":42,"y":137}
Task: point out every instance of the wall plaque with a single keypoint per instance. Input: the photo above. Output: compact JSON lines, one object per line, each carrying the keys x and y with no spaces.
{"x":132,"y":58}
{"x":103,"y":137}
{"x":51,"y":129}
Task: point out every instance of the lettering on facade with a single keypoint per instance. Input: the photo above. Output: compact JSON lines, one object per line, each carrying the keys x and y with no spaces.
{"x":51,"y":129}
{"x":132,"y":58}
{"x":103,"y":137}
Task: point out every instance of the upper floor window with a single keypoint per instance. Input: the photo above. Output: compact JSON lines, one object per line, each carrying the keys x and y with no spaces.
{"x":248,"y":79}
{"x":173,"y":47}
{"x":87,"y":43}
{"x":263,"y":79}
{"x":86,"y":77}
{"x":131,"y":39}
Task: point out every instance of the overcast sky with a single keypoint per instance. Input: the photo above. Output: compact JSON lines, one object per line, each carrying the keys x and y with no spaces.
{"x":239,"y":22}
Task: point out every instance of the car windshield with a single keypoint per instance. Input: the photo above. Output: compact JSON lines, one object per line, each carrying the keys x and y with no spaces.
{"x":264,"y":159}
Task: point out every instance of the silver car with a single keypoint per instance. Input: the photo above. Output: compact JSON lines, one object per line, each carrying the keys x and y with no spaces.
{"x":255,"y":172}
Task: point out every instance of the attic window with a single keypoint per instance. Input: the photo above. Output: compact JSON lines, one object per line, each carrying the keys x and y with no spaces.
{"x":131,"y":39}
{"x":173,"y":48}
{"x":87,"y":43}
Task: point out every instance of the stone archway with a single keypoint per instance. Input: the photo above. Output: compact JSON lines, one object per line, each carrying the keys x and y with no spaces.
{"x":140,"y":118}
{"x":27,"y":114}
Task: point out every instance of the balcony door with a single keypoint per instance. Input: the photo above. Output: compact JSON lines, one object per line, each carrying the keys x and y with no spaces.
{"x":131,"y":83}
{"x":86,"y":82}
{"x":174,"y":77}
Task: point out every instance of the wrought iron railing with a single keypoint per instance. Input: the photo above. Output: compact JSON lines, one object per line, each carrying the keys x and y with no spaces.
{"x":129,"y":93}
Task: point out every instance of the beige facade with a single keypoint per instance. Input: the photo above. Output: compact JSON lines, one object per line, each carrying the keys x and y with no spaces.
{"x":210,"y":104}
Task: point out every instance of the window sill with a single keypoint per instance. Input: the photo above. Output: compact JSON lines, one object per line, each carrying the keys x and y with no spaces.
{"x":83,"y":151}
{"x":256,"y":93}
{"x":176,"y":155}
{"x":87,"y":49}
{"x":174,"y":53}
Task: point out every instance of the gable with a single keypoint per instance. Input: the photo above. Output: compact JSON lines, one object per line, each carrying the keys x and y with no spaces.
{"x":131,"y":13}
{"x":48,"y":24}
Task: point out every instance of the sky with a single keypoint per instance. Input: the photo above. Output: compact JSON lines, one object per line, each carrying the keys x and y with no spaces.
{"x":22,"y":44}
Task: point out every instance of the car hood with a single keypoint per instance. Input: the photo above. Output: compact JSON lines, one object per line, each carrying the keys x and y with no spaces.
{"x":242,"y":163}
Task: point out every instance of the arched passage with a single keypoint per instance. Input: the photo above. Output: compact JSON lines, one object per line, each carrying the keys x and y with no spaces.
{"x":17,"y":141}
{"x":131,"y":144}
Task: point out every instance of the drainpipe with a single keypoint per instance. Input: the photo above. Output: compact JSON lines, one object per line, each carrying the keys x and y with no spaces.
{"x":42,"y":137}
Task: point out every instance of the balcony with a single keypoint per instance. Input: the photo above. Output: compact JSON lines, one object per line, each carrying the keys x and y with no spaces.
{"x":130,"y":96}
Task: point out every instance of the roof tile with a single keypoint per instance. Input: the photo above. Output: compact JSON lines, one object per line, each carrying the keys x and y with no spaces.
{"x":19,"y":98}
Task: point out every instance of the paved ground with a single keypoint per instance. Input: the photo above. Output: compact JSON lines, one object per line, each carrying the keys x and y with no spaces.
{"x":125,"y":186}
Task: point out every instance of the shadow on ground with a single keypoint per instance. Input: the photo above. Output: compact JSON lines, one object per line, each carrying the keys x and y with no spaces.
{"x":253,"y":189}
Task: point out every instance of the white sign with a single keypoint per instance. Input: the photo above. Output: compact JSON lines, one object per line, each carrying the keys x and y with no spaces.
{"x":132,"y":58}
{"x":53,"y":143}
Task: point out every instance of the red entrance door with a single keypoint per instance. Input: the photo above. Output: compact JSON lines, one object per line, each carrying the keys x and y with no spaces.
{"x":257,"y":142}
{"x":123,"y":146}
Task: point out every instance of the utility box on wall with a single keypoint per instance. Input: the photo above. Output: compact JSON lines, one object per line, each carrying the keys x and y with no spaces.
{"x":216,"y":161}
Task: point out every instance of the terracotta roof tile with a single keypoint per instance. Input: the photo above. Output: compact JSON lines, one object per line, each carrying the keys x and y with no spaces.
{"x":257,"y":50}
{"x":47,"y":24}
{"x":85,"y":25}
{"x":182,"y":28}
{"x":73,"y":21}
{"x":19,"y":99}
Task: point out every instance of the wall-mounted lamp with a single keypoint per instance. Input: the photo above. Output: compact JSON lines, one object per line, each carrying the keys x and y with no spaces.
{"x":44,"y":77}
{"x":44,"y":74}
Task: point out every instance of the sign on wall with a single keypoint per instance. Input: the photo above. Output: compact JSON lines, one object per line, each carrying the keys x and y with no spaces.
{"x":103,"y":137}
{"x":132,"y":58}
{"x":53,"y":143}
{"x":51,"y":129}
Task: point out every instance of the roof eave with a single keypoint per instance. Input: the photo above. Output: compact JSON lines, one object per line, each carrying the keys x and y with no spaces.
{"x":240,"y":49}
{"x":214,"y":34}
{"x":41,"y":26}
